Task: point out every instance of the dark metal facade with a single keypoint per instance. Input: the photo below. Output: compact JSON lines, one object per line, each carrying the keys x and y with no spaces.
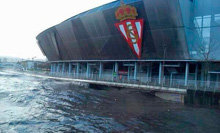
{"x":92,"y":35}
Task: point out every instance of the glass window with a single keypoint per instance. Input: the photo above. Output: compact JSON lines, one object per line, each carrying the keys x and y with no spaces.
{"x":198,"y":21}
{"x":206,"y":21}
{"x":205,"y":32}
{"x":217,"y":18}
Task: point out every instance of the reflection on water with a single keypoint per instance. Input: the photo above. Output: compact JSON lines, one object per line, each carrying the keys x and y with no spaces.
{"x":29,"y":104}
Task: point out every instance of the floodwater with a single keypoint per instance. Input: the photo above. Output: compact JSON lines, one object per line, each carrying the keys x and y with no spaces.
{"x":29,"y":104}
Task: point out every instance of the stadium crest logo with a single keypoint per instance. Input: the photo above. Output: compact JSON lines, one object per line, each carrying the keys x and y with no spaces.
{"x":130,"y":27}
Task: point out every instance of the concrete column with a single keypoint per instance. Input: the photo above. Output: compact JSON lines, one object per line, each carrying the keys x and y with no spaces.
{"x":116,"y":69}
{"x":70,"y":68}
{"x":135,"y":70}
{"x":148,"y":72}
{"x":51,"y":68}
{"x":128,"y":72}
{"x":58,"y":67}
{"x":196,"y":74}
{"x":171,"y":79}
{"x":54,"y":68}
{"x":208,"y":81}
{"x":100,"y":69}
{"x":77,"y":69}
{"x":113,"y":70}
{"x":186,"y":74}
{"x":87,"y":70}
{"x":202,"y":74}
{"x":160,"y":73}
{"x":63,"y":68}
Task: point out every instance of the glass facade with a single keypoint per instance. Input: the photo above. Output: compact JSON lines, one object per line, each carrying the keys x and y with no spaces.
{"x":202,"y":28}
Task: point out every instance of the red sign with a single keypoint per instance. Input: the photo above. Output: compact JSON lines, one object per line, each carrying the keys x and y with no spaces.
{"x":130,"y":27}
{"x":122,"y":72}
{"x":132,"y":31}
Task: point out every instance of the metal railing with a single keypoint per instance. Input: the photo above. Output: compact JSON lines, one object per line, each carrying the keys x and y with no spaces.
{"x":141,"y":80}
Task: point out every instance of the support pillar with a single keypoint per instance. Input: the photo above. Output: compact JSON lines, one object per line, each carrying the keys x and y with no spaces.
{"x":51,"y":68}
{"x":116,"y":70}
{"x":171,"y":79}
{"x":202,"y":75}
{"x":58,"y":67}
{"x":128,"y":72}
{"x":135,"y":70}
{"x":63,"y":68}
{"x":148,"y":72}
{"x":116,"y":67}
{"x":208,"y":81}
{"x":160,"y":73}
{"x":54,"y":68}
{"x":70,"y":68}
{"x":77,"y":69}
{"x":186,"y":74}
{"x":87,"y":70}
{"x":100,"y":70}
{"x":196,"y":74}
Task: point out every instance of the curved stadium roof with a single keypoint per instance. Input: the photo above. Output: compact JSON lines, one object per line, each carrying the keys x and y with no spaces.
{"x":103,"y":7}
{"x":100,"y":8}
{"x":92,"y":35}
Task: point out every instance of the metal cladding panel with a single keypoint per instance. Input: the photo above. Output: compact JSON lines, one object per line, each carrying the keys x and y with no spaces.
{"x":86,"y":44}
{"x":65,"y":30}
{"x":163,"y":14}
{"x":68,"y":40}
{"x":93,"y":36}
{"x":95,"y":25}
{"x":62,"y":48}
{"x":118,"y":49}
{"x":47,"y":45}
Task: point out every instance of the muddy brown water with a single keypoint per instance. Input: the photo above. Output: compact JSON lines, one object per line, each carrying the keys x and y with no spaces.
{"x":29,"y":104}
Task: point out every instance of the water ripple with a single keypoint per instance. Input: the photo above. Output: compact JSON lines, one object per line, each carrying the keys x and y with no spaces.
{"x":29,"y":104}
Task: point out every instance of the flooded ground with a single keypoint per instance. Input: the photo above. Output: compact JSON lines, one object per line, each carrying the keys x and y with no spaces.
{"x":29,"y":104}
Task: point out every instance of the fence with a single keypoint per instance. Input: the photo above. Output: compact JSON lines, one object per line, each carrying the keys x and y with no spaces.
{"x":142,"y":80}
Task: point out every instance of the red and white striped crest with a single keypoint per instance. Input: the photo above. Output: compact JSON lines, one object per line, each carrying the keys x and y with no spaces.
{"x":132,"y":31}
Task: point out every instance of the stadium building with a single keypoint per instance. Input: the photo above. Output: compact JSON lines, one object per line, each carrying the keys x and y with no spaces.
{"x":169,"y":42}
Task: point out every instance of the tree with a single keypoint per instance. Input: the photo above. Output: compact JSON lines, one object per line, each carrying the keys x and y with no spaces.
{"x":206,"y":51}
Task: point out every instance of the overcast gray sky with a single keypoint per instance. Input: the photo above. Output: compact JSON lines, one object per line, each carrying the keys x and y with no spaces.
{"x":22,"y":20}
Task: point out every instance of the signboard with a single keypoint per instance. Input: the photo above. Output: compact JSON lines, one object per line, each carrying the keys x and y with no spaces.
{"x":130,"y":27}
